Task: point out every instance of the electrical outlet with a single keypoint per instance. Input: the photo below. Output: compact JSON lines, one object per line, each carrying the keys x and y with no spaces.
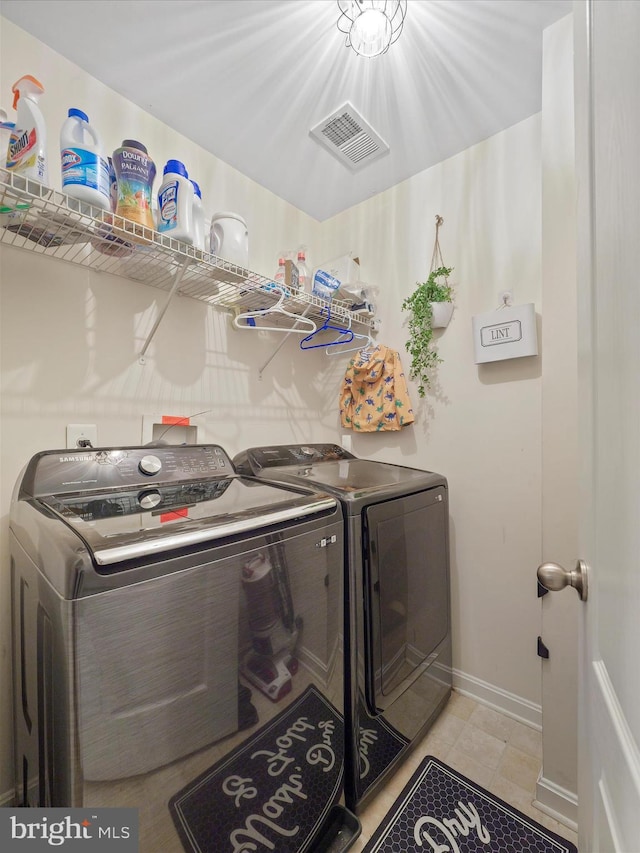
{"x":79,"y":433}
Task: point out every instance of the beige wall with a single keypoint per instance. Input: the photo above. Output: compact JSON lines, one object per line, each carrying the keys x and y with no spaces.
{"x":70,"y":340}
{"x":481,"y":427}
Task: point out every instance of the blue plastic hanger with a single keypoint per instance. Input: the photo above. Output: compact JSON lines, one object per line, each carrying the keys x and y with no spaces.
{"x":363,"y":348}
{"x":305,"y":343}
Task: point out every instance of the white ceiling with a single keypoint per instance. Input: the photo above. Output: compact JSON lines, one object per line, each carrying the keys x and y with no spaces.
{"x":248,"y":79}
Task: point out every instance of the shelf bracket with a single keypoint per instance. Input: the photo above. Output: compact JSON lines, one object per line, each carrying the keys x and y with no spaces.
{"x":281,"y":344}
{"x":178,"y":278}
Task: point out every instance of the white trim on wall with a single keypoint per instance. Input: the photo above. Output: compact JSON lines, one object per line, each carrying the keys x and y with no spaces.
{"x":500,"y":700}
{"x":557,"y":802}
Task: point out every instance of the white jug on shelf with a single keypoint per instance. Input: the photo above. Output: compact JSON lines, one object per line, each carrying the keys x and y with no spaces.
{"x":229,"y":238}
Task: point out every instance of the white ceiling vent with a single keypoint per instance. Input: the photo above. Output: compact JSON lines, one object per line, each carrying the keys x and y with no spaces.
{"x":349,"y":138}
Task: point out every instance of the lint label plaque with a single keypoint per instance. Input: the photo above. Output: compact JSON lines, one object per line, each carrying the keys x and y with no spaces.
{"x":502,"y":333}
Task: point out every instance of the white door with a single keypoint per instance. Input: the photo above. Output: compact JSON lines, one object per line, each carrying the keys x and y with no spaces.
{"x":608,"y":162}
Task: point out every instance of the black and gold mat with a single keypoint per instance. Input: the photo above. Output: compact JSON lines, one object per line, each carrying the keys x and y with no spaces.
{"x":439,"y":809}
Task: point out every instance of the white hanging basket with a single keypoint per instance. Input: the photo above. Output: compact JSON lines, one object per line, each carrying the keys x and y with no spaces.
{"x":442,"y":312}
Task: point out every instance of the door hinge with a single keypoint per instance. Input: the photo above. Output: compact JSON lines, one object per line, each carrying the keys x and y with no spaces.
{"x":543,"y":651}
{"x":542,"y":590}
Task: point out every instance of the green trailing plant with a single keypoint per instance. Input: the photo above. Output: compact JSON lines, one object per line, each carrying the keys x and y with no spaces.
{"x":420,"y":346}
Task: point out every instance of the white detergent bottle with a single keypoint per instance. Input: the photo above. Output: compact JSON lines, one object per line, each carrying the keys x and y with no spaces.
{"x":175,"y":203}
{"x":6,"y":127}
{"x":27,"y":150}
{"x":198,"y":218}
{"x":85,"y":169}
{"x":8,"y":212}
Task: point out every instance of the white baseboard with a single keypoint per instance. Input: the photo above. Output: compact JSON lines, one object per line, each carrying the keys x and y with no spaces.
{"x":557,"y":802}
{"x":500,"y":700}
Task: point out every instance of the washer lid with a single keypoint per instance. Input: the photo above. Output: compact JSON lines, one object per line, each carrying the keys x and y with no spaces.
{"x":123,"y":525}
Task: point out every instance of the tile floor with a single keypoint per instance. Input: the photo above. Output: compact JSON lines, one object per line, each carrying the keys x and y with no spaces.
{"x":493,"y":750}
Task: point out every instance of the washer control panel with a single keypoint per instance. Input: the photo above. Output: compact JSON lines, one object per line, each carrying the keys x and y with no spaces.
{"x":63,"y":471}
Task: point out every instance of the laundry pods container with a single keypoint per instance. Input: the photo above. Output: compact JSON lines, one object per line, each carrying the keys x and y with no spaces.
{"x":175,"y":203}
{"x":229,"y":238}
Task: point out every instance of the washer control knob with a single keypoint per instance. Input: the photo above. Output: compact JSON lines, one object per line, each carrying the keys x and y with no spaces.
{"x":150,"y":465}
{"x":150,"y":499}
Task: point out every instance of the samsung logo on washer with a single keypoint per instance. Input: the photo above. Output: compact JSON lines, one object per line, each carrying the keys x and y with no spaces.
{"x":85,"y":457}
{"x":107,"y":829}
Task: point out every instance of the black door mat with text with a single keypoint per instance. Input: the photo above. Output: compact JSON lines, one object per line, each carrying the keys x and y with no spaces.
{"x":439,"y":809}
{"x":379,"y":745}
{"x":273,"y":792}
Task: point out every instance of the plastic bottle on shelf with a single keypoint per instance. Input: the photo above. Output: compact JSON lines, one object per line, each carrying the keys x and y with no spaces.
{"x":85,"y":169}
{"x":9,"y":213}
{"x":280,"y":273}
{"x":113,"y":185}
{"x":27,"y":149}
{"x":198,"y":218}
{"x":135,"y":172}
{"x":304,"y":277}
{"x":6,"y":128}
{"x":175,"y":203}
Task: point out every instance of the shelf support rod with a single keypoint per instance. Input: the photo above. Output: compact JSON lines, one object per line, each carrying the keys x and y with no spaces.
{"x":282,"y":343}
{"x":178,"y":278}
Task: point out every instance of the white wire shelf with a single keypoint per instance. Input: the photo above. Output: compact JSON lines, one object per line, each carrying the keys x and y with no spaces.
{"x":38,"y":219}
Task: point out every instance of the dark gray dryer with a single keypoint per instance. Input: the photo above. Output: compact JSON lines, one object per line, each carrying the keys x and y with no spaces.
{"x":398,"y":652}
{"x":178,"y":647}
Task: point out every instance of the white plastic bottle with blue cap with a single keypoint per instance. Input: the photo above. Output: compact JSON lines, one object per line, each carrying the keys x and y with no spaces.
{"x":85,"y":169}
{"x":175,"y":203}
{"x":198,"y":218}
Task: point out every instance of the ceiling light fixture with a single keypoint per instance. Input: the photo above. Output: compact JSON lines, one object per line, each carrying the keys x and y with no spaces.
{"x":371,"y":25}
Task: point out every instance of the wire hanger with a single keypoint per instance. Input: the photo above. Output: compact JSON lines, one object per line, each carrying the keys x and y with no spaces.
{"x":301,"y":326}
{"x":305,"y":343}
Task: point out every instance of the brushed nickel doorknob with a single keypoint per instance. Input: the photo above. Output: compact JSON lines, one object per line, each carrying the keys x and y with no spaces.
{"x":553,"y":577}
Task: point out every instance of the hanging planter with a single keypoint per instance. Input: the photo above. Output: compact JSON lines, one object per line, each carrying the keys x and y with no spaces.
{"x":430,"y":307}
{"x":441,"y":313}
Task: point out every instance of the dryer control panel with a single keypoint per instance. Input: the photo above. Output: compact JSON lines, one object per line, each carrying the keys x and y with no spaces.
{"x":255,"y":459}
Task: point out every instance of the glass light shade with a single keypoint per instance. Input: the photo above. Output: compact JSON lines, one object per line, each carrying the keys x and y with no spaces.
{"x":371,"y":26}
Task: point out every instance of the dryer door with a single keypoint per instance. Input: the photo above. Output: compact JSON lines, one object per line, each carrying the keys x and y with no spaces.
{"x":406,"y":589}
